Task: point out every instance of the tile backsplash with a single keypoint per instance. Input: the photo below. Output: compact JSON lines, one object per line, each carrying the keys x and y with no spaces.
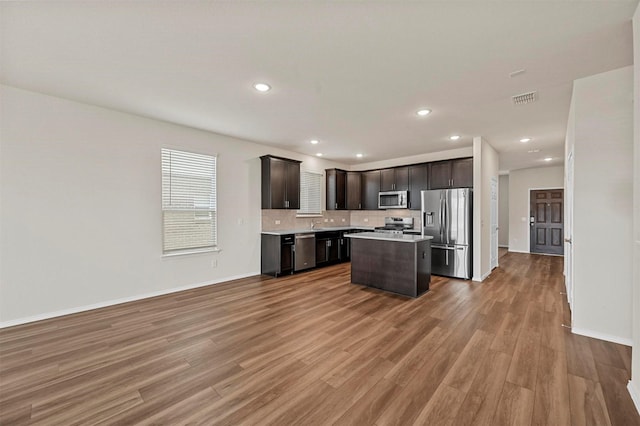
{"x":277,"y":220}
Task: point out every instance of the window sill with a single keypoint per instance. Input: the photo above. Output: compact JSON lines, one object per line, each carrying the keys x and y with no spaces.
{"x":309,"y":215}
{"x":195,"y":251}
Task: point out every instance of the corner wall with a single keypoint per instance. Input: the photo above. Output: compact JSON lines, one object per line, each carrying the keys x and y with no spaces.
{"x":485,"y":166}
{"x":603,"y":205}
{"x":634,"y":384}
{"x":80,"y":212}
{"x":503,"y":211}
{"x":520,"y":182}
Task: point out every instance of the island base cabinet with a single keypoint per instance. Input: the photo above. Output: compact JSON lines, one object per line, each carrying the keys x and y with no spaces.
{"x":397,"y":267}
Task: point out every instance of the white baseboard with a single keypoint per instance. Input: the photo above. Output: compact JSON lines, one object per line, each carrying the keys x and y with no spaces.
{"x":519,"y":251}
{"x":602,"y":336}
{"x":482,"y":277}
{"x":635,"y":394}
{"x":75,"y":310}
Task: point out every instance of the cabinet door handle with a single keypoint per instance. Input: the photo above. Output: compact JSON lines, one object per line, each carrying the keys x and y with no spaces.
{"x":359,"y":205}
{"x":336,"y":206}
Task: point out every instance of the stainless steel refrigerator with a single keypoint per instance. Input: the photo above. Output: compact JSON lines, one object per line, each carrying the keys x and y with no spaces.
{"x":447,"y":217}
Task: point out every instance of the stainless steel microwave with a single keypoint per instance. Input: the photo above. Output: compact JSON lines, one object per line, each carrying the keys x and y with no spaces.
{"x":393,"y":200}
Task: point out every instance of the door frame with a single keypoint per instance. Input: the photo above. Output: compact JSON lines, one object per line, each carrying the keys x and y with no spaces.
{"x":568,"y":230}
{"x":564,"y":192}
{"x":494,"y":207}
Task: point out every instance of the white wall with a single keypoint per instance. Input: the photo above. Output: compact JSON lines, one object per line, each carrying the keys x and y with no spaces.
{"x":520,"y":183}
{"x":485,"y":166}
{"x":603,"y":205}
{"x":503,"y":211}
{"x":80,"y":219}
{"x":634,"y":384}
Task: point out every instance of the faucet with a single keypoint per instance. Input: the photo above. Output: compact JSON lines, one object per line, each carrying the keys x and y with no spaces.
{"x":312,"y":224}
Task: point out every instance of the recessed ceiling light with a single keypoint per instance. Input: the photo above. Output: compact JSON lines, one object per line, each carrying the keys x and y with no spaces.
{"x":548,"y":159}
{"x":525,"y":140}
{"x":262,"y":87}
{"x":359,"y":155}
{"x":454,"y":137}
{"x":314,"y":141}
{"x":423,"y":112}
{"x":319,"y":154}
{"x":533,"y":150}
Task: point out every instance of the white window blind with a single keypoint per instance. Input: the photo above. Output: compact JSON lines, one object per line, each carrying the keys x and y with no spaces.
{"x":310,"y":192}
{"x":188,"y":201}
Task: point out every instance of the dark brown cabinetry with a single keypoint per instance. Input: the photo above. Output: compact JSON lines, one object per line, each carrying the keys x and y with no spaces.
{"x":418,"y":181}
{"x":370,"y":189}
{"x":451,"y":174}
{"x":359,"y":190}
{"x":354,"y":191}
{"x":280,"y":183}
{"x":336,"y":189}
{"x":277,"y":254}
{"x":327,"y":247}
{"x":395,"y":179}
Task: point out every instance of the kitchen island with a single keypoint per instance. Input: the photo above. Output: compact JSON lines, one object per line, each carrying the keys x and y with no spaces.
{"x":392,"y":262}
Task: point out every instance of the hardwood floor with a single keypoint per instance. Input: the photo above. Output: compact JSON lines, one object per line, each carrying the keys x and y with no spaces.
{"x":313,"y":349}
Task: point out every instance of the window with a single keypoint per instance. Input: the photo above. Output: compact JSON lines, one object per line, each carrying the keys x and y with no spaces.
{"x":310,"y":192}
{"x":188,"y":201}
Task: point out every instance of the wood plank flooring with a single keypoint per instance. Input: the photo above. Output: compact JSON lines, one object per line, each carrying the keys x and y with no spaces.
{"x":312,"y":349}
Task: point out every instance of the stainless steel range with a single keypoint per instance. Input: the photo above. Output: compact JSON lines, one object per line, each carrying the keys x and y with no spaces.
{"x":395,"y":225}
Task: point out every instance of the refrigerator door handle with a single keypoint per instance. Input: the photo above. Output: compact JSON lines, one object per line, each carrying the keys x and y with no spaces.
{"x":441,"y":218}
{"x":445,"y":212}
{"x":436,"y":246}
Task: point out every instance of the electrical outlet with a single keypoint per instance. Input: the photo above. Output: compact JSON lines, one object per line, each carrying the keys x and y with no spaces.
{"x":326,"y":220}
{"x":331,"y":220}
{"x":366,"y":219}
{"x":277,"y":222}
{"x":240,"y":221}
{"x":344,"y":220}
{"x":214,"y":263}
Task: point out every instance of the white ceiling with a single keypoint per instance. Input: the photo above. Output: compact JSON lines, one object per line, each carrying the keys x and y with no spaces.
{"x":351,"y":74}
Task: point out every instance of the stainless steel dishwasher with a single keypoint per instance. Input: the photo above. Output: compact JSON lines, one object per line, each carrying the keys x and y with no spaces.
{"x":305,"y":251}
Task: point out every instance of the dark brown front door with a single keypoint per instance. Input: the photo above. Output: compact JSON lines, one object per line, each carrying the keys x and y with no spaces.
{"x":546,"y":221}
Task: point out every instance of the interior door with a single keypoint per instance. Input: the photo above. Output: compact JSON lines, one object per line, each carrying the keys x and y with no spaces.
{"x":546,"y":221}
{"x":494,"y":222}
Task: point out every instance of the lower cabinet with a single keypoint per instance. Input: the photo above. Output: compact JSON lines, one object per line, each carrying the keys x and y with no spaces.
{"x":327,"y":247}
{"x":277,"y":254}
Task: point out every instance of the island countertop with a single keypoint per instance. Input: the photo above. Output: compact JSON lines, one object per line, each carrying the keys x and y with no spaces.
{"x":315,"y":230}
{"x":404,"y":238}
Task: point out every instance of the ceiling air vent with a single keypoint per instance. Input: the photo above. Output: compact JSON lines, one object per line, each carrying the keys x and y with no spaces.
{"x":524,"y":98}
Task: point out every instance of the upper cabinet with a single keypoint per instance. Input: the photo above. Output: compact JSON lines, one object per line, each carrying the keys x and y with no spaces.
{"x":336,"y":189}
{"x":354,"y":191}
{"x":280,"y":183}
{"x":451,"y":174}
{"x":418,"y":181}
{"x":394,"y":179}
{"x":359,"y":190}
{"x":370,"y":189}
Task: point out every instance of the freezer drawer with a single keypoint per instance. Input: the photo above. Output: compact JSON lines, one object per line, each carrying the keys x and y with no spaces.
{"x":451,"y":261}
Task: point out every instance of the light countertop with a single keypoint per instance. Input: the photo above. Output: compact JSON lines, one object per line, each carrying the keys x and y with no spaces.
{"x":404,"y":238}
{"x":311,"y":231}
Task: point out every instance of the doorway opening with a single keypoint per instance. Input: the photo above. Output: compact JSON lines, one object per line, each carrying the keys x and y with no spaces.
{"x":546,"y":221}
